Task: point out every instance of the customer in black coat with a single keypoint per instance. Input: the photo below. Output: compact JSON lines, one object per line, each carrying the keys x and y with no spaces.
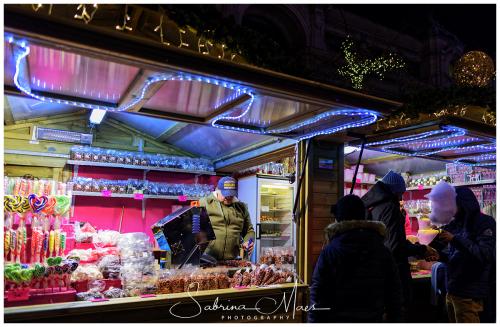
{"x":470,"y":259}
{"x":355,"y":277}
{"x":382,"y":204}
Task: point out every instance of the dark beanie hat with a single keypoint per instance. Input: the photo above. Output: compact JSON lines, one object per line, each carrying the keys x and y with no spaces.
{"x":349,"y":207}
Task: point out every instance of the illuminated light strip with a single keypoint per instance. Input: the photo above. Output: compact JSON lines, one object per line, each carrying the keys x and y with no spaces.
{"x":478,"y":159}
{"x":369,"y":117}
{"x":484,"y":147}
{"x":409,"y":139}
{"x":239,"y":89}
{"x":437,"y":144}
{"x":446,"y":129}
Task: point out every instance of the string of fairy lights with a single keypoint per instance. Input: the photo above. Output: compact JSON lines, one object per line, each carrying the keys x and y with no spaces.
{"x":357,"y":69}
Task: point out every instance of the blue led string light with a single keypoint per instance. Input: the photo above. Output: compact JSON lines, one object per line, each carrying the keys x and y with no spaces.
{"x":366,"y":116}
{"x":438,"y":144}
{"x":389,"y":145}
{"x":478,"y":160}
{"x":161,"y":78}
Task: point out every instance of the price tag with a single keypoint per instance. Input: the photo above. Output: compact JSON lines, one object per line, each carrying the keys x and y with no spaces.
{"x":265,"y":208}
{"x":138,"y":196}
{"x":147,"y":295}
{"x":182,"y":198}
{"x":420,"y":187}
{"x":99,"y":300}
{"x":106,"y":193}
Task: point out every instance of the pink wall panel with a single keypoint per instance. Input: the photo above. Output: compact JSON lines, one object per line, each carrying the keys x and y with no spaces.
{"x":104,"y":213}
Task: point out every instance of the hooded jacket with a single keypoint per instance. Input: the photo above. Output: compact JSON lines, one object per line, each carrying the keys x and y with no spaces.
{"x":230,"y":224}
{"x":471,"y":254}
{"x":383,"y":205}
{"x":355,"y":276}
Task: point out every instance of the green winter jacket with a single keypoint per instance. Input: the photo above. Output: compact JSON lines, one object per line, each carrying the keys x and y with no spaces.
{"x":229,"y":224}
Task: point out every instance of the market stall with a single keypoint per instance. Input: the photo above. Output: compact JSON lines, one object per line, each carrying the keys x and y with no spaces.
{"x":455,"y":149}
{"x":110,"y":132}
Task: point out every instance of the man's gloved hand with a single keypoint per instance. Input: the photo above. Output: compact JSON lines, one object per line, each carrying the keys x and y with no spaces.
{"x":445,"y":236}
{"x":431,"y":254}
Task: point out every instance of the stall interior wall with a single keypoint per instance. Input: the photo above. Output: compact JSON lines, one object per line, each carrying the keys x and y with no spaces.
{"x":325,"y":185}
{"x":105,"y":213}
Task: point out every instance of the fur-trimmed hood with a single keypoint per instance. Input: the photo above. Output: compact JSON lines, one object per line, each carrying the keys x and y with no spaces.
{"x":337,"y":228}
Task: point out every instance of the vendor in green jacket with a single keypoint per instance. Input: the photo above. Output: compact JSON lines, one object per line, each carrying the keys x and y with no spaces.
{"x":230,"y":220}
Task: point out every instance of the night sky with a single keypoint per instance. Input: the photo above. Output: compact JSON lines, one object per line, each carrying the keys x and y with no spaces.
{"x":474,"y":24}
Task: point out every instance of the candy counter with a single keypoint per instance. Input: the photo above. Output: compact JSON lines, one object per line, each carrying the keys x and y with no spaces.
{"x":54,"y":263}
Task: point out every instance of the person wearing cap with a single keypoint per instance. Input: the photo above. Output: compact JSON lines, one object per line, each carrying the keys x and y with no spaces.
{"x":230,"y":220}
{"x":466,"y":245}
{"x":382,"y":204}
{"x":355,"y":278}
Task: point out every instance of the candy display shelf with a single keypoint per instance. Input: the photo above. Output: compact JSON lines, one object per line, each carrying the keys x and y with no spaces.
{"x":275,"y":223}
{"x":112,"y":165}
{"x":275,"y":238}
{"x":146,"y":196}
{"x":486,"y":181}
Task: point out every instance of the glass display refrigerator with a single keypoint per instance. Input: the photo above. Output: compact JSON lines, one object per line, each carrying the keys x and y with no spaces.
{"x":270,"y":203}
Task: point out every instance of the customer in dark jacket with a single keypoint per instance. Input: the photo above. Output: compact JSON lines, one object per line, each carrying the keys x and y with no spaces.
{"x":355,"y":277}
{"x":470,"y":257}
{"x":382,"y":204}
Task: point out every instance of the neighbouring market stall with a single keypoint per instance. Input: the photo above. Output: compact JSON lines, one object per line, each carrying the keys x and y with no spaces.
{"x":457,"y":149}
{"x":108,"y":131}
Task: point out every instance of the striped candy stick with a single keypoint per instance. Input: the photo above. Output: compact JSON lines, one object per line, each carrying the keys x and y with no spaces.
{"x":34,"y":241}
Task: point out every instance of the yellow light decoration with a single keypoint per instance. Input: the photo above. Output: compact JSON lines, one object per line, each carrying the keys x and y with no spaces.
{"x":160,"y":28}
{"x":356,"y":69}
{"x":84,"y":15}
{"x":181,"y":41}
{"x":475,"y":68}
{"x":126,"y":19}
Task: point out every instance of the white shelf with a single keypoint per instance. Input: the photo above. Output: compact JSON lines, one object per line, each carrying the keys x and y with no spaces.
{"x":275,"y":238}
{"x":114,"y":165}
{"x":270,"y":210}
{"x":486,"y":181}
{"x":276,"y":195}
{"x":131,"y":196}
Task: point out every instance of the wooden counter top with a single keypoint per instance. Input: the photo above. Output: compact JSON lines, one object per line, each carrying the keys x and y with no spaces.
{"x":165,"y":307}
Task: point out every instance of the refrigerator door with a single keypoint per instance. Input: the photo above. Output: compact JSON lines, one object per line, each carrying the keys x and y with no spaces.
{"x":275,"y":228}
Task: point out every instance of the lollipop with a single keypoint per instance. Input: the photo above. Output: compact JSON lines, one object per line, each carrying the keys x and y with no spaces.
{"x":37,"y":203}
{"x":18,"y":204}
{"x":25,"y":204}
{"x":49,"y":206}
{"x":63,"y":242}
{"x":45,"y":245}
{"x":6,"y":244}
{"x":62,"y":204}
{"x":34,"y":241}
{"x":9,"y":203}
{"x":57,"y":241}
{"x":51,"y":242}
{"x":13,"y":244}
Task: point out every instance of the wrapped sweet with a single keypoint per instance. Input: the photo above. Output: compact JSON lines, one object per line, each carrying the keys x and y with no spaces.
{"x":223,"y":281}
{"x":86,"y":272}
{"x":88,"y":296}
{"x":114,"y":293}
{"x":246,"y":278}
{"x":212,"y":282}
{"x":177,"y":284}
{"x":261,"y":274}
{"x":106,"y":238}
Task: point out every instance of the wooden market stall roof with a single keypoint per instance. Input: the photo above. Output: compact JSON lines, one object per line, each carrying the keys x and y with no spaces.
{"x":140,"y":50}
